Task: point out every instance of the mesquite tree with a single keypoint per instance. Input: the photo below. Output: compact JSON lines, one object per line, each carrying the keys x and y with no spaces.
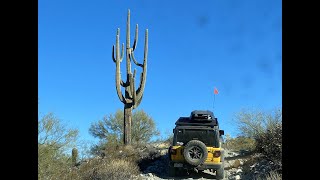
{"x":132,"y":97}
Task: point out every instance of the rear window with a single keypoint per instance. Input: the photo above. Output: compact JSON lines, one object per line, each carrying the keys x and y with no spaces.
{"x":208,"y":137}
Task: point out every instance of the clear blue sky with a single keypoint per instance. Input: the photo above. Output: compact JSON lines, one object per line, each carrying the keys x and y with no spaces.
{"x":194,"y":46}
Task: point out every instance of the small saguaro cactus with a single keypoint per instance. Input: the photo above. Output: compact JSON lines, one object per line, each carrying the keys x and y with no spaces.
{"x":74,"y":156}
{"x":132,"y":97}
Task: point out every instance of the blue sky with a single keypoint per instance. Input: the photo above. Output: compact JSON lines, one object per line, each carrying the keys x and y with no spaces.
{"x":233,"y":45}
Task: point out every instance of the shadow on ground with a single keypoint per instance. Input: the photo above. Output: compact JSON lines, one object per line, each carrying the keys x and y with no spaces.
{"x":197,"y":175}
{"x":189,"y":174}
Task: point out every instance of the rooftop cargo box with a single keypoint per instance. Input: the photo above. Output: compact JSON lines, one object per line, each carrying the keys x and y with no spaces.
{"x":198,"y":115}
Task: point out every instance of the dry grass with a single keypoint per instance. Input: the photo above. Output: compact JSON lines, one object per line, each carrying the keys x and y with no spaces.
{"x":99,"y":169}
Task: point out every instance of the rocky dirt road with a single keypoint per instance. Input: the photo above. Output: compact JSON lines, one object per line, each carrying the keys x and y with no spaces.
{"x":234,"y":169}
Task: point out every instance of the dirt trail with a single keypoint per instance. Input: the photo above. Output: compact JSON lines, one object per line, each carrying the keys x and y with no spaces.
{"x":233,"y":163}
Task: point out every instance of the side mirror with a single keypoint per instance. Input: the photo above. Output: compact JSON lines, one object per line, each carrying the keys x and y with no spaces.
{"x":221,"y":132}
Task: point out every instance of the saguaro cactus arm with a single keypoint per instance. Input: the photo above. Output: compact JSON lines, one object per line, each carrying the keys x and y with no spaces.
{"x":134,"y":46}
{"x":135,"y":61}
{"x":114,"y":59}
{"x":122,"y":54}
{"x":128,"y":49}
{"x":135,"y":42}
{"x":132,"y":92}
{"x":132,"y":86}
{"x":143,"y":76}
{"x":118,"y":60}
{"x":137,"y":103}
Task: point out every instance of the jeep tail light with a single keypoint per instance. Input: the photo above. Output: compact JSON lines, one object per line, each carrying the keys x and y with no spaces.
{"x":173,"y":151}
{"x":216,"y":153}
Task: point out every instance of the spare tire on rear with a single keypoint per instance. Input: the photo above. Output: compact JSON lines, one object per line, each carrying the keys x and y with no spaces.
{"x":195,"y":152}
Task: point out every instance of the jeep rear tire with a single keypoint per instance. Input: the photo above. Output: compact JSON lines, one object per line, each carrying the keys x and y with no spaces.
{"x":195,"y":152}
{"x":172,"y":171}
{"x":220,"y":173}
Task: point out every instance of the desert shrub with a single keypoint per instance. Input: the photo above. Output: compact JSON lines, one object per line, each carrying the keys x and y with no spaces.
{"x":134,"y":153}
{"x":273,"y":175}
{"x":251,"y":123}
{"x":256,"y":167}
{"x":239,"y":143}
{"x":110,"y":128}
{"x":113,"y":150}
{"x":269,"y":143}
{"x":266,"y":129}
{"x":113,"y":169}
{"x":103,"y":168}
{"x":54,"y":139}
{"x":122,"y":163}
{"x":142,"y":155}
{"x":110,"y":131}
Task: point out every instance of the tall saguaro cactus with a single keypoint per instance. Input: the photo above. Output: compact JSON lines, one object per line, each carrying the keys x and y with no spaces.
{"x":132,"y":97}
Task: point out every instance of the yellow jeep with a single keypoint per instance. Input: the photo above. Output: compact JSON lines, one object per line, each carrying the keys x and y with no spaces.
{"x":197,"y":144}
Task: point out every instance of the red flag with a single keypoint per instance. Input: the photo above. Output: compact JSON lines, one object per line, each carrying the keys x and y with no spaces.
{"x":216,"y":91}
